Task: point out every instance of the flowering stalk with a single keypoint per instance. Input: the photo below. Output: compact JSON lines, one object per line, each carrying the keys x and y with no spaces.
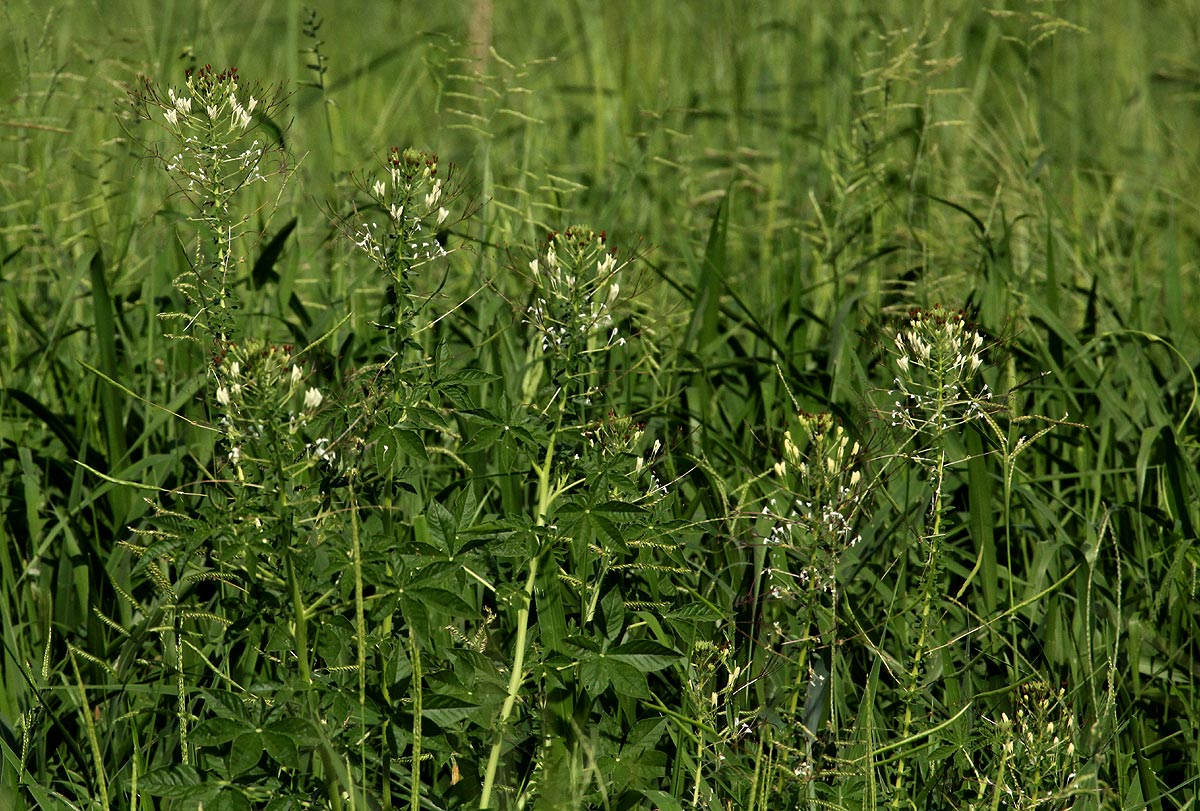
{"x":215,"y":155}
{"x":415,"y":196}
{"x":822,"y":495}
{"x":938,"y":359}
{"x":576,"y":288}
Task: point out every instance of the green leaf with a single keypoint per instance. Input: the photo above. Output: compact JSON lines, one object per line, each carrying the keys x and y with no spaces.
{"x":444,"y":600}
{"x":264,"y":266}
{"x":594,"y":676}
{"x":216,"y":731}
{"x":245,"y":753}
{"x":470,"y":377}
{"x":483,"y":437}
{"x":627,"y":680}
{"x":662,"y":801}
{"x":646,"y":655}
{"x":444,"y":710}
{"x":411,"y":443}
{"x":620,"y":509}
{"x":282,"y":749}
{"x":644,"y":735}
{"x":612,"y":607}
{"x":230,"y":799}
{"x":299,"y":730}
{"x":442,"y":527}
{"x":610,"y":531}
{"x":703,"y":326}
{"x":699,"y":612}
{"x":170,"y":781}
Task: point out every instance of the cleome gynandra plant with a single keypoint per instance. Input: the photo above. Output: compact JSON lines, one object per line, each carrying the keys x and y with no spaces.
{"x":410,"y":581}
{"x":217,"y":150}
{"x":944,"y":417}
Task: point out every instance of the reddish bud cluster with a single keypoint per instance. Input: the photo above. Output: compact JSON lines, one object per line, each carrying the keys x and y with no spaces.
{"x":941,"y":316}
{"x":582,"y":237}
{"x":206,"y":78}
{"x":410,"y":161}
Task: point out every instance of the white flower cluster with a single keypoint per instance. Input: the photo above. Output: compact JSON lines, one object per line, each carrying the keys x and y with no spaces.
{"x":939,"y":356}
{"x":822,"y":473}
{"x":209,"y":119}
{"x":414,"y":199}
{"x":201,"y":167}
{"x":576,"y":287}
{"x":258,"y":386}
{"x":222,"y":110}
{"x":1039,"y":744}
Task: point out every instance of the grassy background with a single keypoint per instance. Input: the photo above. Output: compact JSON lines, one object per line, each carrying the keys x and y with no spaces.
{"x":794,"y":176}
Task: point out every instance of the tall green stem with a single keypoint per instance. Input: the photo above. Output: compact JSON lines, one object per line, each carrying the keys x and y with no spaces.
{"x":932,"y":538}
{"x":545,"y":498}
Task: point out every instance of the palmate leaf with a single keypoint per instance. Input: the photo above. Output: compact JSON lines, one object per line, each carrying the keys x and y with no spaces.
{"x":625,"y":667}
{"x":171,"y":781}
{"x":586,"y":521}
{"x":445,"y":710}
{"x":645,"y":655}
{"x":216,"y":731}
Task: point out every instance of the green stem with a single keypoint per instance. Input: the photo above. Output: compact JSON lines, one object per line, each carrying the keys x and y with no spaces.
{"x":360,"y":625}
{"x":299,"y":621}
{"x":914,"y":674}
{"x":415,"y":653}
{"x":545,"y":498}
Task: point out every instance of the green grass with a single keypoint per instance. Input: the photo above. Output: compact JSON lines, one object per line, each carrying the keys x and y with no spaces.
{"x":739,"y":516}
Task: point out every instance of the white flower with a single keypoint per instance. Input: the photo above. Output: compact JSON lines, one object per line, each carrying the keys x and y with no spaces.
{"x":379,"y":189}
{"x":295,"y":374}
{"x":172,"y":116}
{"x":223,"y":396}
{"x":321,"y":450}
{"x":312,"y":398}
{"x":241,"y":116}
{"x":235,"y":369}
{"x":434,"y":196}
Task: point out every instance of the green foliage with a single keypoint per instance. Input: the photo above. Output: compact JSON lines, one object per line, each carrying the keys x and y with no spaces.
{"x":337,"y":475}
